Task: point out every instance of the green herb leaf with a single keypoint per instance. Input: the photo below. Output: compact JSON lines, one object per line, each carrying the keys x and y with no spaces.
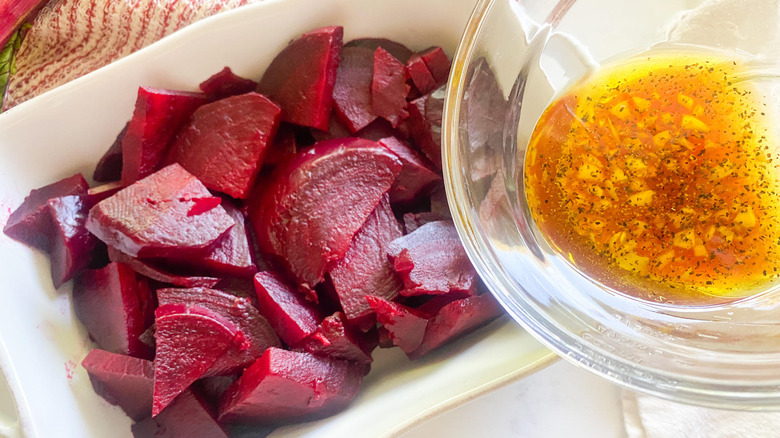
{"x":8,"y":60}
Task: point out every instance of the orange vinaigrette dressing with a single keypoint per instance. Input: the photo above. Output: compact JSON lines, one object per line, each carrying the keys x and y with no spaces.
{"x":659,"y":177}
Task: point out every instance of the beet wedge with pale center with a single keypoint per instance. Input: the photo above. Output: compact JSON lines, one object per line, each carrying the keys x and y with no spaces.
{"x":301,"y":77}
{"x":154,"y":217}
{"x":190,"y":339}
{"x":312,"y":207}
{"x":122,"y":380}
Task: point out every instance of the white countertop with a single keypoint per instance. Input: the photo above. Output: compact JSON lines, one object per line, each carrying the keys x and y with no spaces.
{"x":559,"y":401}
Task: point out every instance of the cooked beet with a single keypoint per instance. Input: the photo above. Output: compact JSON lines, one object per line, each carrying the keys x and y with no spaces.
{"x":258,"y":333}
{"x":365,"y":268}
{"x":388,"y":88}
{"x":455,"y":319}
{"x":190,"y":339}
{"x":398,"y":50}
{"x":30,"y":223}
{"x":101,"y":192}
{"x":337,"y":339}
{"x":301,"y":77}
{"x":71,"y":243}
{"x":292,"y":317}
{"x":189,"y":415}
{"x":312,"y":207}
{"x":212,"y":388}
{"x":404,"y":325}
{"x":109,"y":167}
{"x":115,"y":307}
{"x":150,"y":270}
{"x":431,"y":260}
{"x":420,"y":76}
{"x":283,"y":386}
{"x":425,"y":118}
{"x":484,"y":105}
{"x":413,"y":221}
{"x":438,"y":201}
{"x":352,"y":92}
{"x":285,"y":143}
{"x":224,"y":142}
{"x":158,"y":116}
{"x":417,"y":176}
{"x":125,"y":381}
{"x":225,"y":83}
{"x":437,"y":62}
{"x":150,"y":217}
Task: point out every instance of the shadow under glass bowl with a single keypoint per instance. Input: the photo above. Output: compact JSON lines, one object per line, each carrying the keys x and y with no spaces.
{"x":515,"y":56}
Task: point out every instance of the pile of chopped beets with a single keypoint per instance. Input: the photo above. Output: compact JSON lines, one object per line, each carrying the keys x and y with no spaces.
{"x":254,"y":242}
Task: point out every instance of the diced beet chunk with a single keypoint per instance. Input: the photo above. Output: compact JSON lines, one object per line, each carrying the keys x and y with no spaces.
{"x":30,"y":223}
{"x":158,"y":273}
{"x":225,"y":83}
{"x":292,"y":317}
{"x":439,"y":204}
{"x":190,"y":339}
{"x":425,"y":118}
{"x":417,"y":176}
{"x":431,"y":260}
{"x":188,"y":416}
{"x":301,"y":77}
{"x":388,"y":88}
{"x":438,"y":63}
{"x":71,"y":243}
{"x":284,"y":386}
{"x":456,"y":319}
{"x":114,"y":306}
{"x":125,"y":381}
{"x":352,"y":91}
{"x":258,"y":333}
{"x":158,"y":116}
{"x":365,"y":268}
{"x":150,"y":218}
{"x":109,"y":167}
{"x":224,"y":142}
{"x":398,"y":50}
{"x":404,"y":325}
{"x":285,"y":144}
{"x":312,"y":207}
{"x":421,"y":77}
{"x":335,"y":338}
{"x":413,"y":221}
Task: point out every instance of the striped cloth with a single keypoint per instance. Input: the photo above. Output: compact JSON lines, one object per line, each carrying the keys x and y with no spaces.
{"x":70,"y":38}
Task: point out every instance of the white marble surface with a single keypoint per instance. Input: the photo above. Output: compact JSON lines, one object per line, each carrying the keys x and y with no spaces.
{"x":559,"y":401}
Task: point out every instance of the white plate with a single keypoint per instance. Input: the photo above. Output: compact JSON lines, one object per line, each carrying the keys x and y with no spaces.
{"x":66,"y":130}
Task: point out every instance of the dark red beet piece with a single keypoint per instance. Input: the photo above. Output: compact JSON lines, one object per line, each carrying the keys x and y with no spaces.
{"x":437,"y":62}
{"x":258,"y":333}
{"x":150,"y":217}
{"x":365,"y":268}
{"x":413,"y":221}
{"x":158,"y":116}
{"x":418,"y":73}
{"x":335,"y":338}
{"x":431,"y":260}
{"x":352,"y":92}
{"x":301,"y":77}
{"x":439,"y":204}
{"x":292,"y":317}
{"x":30,"y":222}
{"x":284,"y":145}
{"x":150,"y":270}
{"x":71,"y":243}
{"x":425,"y":118}
{"x":190,"y":339}
{"x":212,"y":388}
{"x":417,"y":176}
{"x":284,"y":386}
{"x":398,"y":50}
{"x":224,"y":142}
{"x":125,"y":381}
{"x":109,"y":167}
{"x":114,"y":306}
{"x":225,"y":83}
{"x":455,"y":319}
{"x":388,"y":88}
{"x":484,"y":105}
{"x":188,"y":416}
{"x":404,"y":325}
{"x":313,"y":206}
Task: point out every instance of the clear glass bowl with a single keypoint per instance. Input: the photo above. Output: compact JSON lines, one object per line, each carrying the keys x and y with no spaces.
{"x":722,"y":355}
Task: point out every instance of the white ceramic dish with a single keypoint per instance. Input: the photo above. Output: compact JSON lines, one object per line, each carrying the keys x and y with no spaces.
{"x":66,"y":130}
